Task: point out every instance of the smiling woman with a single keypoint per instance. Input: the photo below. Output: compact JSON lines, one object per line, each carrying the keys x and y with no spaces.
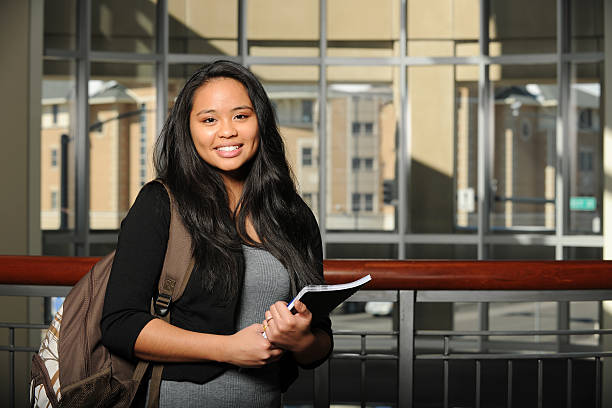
{"x":255,"y":244}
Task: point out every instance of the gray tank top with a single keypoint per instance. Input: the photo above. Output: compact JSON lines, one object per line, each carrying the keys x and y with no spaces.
{"x":265,"y":281}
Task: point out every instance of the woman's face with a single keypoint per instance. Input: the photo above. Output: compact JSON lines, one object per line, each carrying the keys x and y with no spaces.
{"x":223,"y":124}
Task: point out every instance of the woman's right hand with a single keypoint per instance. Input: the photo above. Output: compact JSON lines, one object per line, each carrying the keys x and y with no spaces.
{"x":248,"y":348}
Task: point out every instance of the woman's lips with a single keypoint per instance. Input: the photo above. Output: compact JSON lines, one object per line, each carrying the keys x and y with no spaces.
{"x":229,"y":151}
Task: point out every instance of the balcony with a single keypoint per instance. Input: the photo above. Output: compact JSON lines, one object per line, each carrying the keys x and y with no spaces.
{"x":412,"y":358}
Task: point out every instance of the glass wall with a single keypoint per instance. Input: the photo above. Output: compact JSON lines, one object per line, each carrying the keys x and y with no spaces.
{"x":463,"y":131}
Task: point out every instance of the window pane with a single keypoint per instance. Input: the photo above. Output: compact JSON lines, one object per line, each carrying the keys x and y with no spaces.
{"x":586,"y":144}
{"x":525,"y":109}
{"x":281,"y":28}
{"x":117,"y":26}
{"x":178,"y":74}
{"x":583,"y":253}
{"x":60,"y":24}
{"x":291,"y":89}
{"x":358,"y":95}
{"x":441,"y":251}
{"x":525,"y":252}
{"x":203,"y":27}
{"x":522,"y":27}
{"x":443,"y":103}
{"x":441,"y":28}
{"x":121,"y":134}
{"x":362,"y":28}
{"x":57,"y":146}
{"x":361,"y":251}
{"x":586,"y":25}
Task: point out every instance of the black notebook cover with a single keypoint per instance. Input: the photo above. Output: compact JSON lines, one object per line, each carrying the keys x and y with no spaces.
{"x":322,"y":299}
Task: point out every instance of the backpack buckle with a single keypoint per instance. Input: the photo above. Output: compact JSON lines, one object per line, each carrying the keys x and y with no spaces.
{"x":162,"y":304}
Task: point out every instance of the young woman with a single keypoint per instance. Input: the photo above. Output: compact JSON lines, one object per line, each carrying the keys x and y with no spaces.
{"x":255,"y":243}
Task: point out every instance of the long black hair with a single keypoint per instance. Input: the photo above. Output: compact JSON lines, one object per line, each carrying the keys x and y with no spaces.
{"x":280,"y":217}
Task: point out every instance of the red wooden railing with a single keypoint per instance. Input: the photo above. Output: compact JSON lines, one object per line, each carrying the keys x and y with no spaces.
{"x":415,"y":275}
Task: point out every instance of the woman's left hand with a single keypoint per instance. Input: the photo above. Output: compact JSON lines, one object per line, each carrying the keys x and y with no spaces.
{"x":287,"y":330}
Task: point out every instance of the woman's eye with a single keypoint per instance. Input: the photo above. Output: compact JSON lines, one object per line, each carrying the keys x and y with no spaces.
{"x":241,"y":116}
{"x":208,"y":120}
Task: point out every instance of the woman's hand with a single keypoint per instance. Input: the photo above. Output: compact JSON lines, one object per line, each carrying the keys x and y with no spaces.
{"x":287,"y":330}
{"x":248,"y":348}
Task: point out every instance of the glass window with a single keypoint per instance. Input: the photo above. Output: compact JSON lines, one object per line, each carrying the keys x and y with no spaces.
{"x":121,"y":97}
{"x":522,"y":27}
{"x":362,"y":28}
{"x":441,"y":251}
{"x":57,"y":145}
{"x":287,"y":87}
{"x":361,"y":251}
{"x":526,"y":252}
{"x":306,"y":156}
{"x":203,"y":27}
{"x":369,"y":202}
{"x":60,"y":24}
{"x":54,"y":200}
{"x":586,"y":141}
{"x":525,"y":148}
{"x":278,"y":28}
{"x":356,"y":200}
{"x":54,"y":157}
{"x":115,"y":27}
{"x":441,"y":28}
{"x":368,"y":163}
{"x":177,"y":76}
{"x":587,"y":25}
{"x":443,"y":103}
{"x":358,"y":95}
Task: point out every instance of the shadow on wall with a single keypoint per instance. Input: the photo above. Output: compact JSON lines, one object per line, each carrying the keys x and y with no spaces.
{"x":431,"y":200}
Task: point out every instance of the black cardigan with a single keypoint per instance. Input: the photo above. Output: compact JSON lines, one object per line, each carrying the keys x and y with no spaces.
{"x":133,"y":282}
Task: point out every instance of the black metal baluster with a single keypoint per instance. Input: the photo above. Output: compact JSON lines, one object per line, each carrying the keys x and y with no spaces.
{"x":446,"y":353}
{"x":363,"y":371}
{"x":569,"y":382}
{"x":478,"y":375}
{"x":509,"y":402}
{"x":12,"y":367}
{"x":540,"y":382}
{"x":598,"y":382}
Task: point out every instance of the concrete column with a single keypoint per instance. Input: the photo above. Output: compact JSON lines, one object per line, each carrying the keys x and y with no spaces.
{"x":21,"y":33}
{"x":607,"y":195}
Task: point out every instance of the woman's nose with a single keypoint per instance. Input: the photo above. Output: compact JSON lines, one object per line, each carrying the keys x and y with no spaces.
{"x":227,"y":129}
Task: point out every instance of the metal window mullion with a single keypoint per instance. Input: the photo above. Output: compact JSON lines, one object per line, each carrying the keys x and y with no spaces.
{"x":484,"y":136}
{"x":562,"y":134}
{"x":81,"y":244}
{"x":161,"y":69}
{"x":403,"y":161}
{"x":242,"y":31}
{"x":322,"y":204}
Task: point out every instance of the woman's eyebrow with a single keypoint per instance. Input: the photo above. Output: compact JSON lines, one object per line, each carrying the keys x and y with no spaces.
{"x":205,"y":111}
{"x":243,"y":107}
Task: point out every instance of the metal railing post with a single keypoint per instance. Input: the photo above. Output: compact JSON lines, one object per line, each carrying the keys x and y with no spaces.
{"x":405,"y":348}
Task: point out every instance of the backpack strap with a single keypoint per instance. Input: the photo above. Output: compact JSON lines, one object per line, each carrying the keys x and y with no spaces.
{"x":178,"y":263}
{"x":177,"y":268}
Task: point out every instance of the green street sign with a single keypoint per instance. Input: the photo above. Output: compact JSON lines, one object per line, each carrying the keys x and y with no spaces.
{"x":583,"y":203}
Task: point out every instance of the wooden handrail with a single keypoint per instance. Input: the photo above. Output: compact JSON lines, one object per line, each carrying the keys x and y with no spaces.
{"x":417,"y":275}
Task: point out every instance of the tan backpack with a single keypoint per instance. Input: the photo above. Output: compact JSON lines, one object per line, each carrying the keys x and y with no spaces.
{"x":72,"y":367}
